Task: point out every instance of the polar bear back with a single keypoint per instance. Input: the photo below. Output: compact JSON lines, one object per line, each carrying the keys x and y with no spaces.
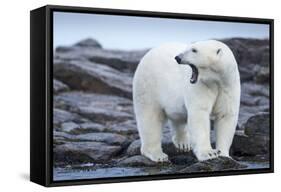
{"x":158,"y":80}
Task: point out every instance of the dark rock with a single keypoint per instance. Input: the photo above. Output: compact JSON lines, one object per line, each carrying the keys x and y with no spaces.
{"x":96,"y":107}
{"x":217,"y":164}
{"x":250,"y":53}
{"x":88,"y":43}
{"x":262,"y":75}
{"x":136,"y":161}
{"x":256,"y":139}
{"x":64,"y":49}
{"x":244,"y":145}
{"x":81,"y":152}
{"x":58,"y":86}
{"x":258,"y":125}
{"x":248,"y":50}
{"x":246,"y":73}
{"x":167,"y":145}
{"x":87,"y":76}
{"x":183,"y":159}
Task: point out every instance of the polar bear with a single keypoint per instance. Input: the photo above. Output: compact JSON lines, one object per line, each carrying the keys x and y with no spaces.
{"x":187,"y":86}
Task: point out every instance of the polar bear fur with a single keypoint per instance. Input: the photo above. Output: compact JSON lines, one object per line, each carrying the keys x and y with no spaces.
{"x":163,"y":92}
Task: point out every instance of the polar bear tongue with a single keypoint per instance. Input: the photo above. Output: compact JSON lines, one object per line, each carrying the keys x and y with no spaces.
{"x":194,"y":75}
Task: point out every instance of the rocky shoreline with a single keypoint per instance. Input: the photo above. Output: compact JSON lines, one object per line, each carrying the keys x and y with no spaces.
{"x":94,"y":123}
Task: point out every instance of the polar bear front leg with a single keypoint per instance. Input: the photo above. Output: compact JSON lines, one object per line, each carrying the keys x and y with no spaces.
{"x":225,"y":129}
{"x":199,"y":132}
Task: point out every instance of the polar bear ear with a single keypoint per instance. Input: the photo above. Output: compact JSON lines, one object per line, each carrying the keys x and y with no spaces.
{"x":219,"y":52}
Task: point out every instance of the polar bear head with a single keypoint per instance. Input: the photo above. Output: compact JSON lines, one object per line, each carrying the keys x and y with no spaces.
{"x":209,"y":58}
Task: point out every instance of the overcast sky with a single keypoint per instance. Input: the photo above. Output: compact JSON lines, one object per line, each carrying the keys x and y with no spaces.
{"x":127,"y":32}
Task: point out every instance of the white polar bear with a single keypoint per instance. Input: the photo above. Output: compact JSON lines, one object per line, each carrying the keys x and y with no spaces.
{"x":175,"y":81}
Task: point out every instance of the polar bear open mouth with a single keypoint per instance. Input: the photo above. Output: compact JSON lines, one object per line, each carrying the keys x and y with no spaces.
{"x":195,"y":73}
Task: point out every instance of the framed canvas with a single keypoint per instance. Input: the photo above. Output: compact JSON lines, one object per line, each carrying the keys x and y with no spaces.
{"x":123,"y":95}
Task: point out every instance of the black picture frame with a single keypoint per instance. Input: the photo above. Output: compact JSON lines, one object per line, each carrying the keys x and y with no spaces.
{"x":41,"y":61}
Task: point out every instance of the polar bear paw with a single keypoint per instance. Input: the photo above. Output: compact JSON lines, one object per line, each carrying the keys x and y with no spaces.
{"x":208,"y":154}
{"x":181,"y":144}
{"x":158,"y":157}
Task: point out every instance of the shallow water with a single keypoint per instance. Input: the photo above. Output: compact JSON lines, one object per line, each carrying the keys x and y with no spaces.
{"x":89,"y":171}
{"x":256,"y":165}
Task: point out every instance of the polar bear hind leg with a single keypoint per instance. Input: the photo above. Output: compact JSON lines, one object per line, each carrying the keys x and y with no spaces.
{"x":150,"y":121}
{"x":180,"y":135}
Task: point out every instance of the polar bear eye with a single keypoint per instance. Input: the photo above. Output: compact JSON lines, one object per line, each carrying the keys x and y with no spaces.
{"x":194,"y":50}
{"x":218,"y":51}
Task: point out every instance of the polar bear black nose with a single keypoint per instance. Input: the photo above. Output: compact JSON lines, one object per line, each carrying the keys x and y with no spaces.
{"x":178,"y":59}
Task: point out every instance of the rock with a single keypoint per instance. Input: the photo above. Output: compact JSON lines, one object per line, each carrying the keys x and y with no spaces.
{"x":88,"y":43}
{"x":96,"y":107}
{"x":60,"y":116}
{"x":108,"y":138}
{"x":254,"y":100}
{"x":250,"y":53}
{"x":128,"y":127}
{"x":258,"y":125}
{"x":120,"y":60}
{"x":58,"y":86}
{"x":88,"y":76}
{"x":249,"y":50}
{"x":244,"y":145}
{"x":69,"y":126}
{"x":137,"y":161}
{"x":262,"y":75}
{"x":248,"y":100}
{"x":134,"y":148}
{"x":246,"y":73}
{"x":254,"y":89}
{"x":89,"y":127}
{"x":63,"y":49}
{"x":183,"y":159}
{"x":167,"y":145}
{"x":82,"y":152}
{"x":125,"y":61}
{"x":256,"y":139}
{"x":217,"y":164}
{"x":248,"y":111}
